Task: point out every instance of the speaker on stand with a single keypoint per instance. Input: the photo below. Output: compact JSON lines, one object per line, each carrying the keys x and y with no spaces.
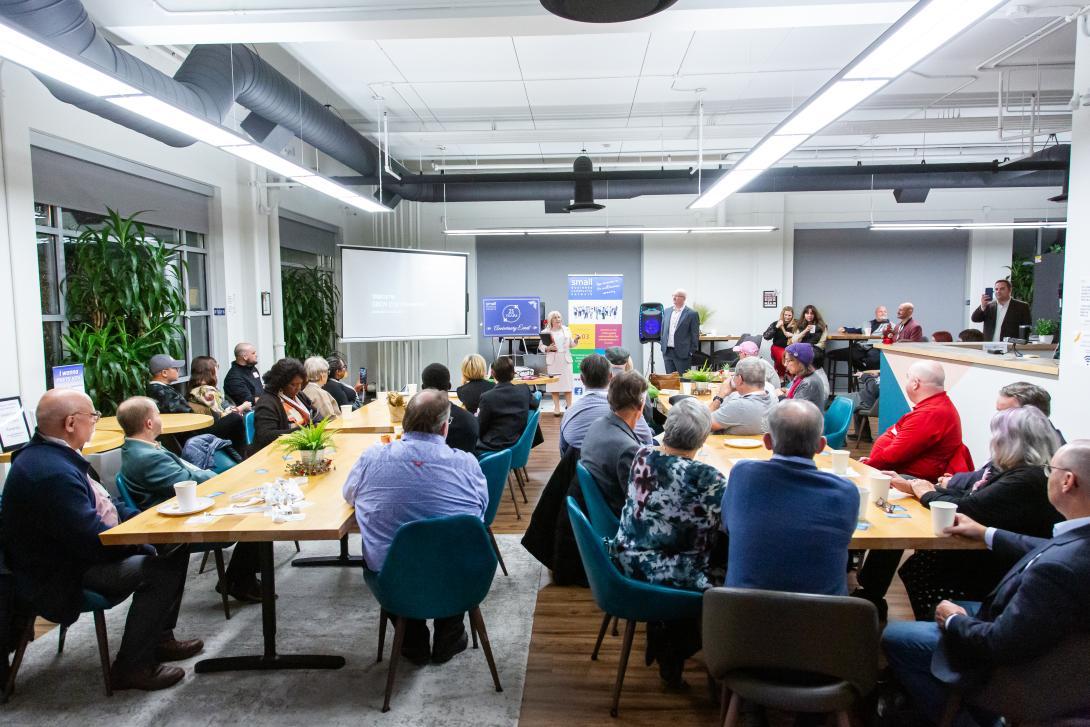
{"x":651,"y":315}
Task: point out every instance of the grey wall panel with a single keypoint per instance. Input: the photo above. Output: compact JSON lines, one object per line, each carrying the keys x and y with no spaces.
{"x":846,"y":273}
{"x":540,"y":265}
{"x":299,"y":235}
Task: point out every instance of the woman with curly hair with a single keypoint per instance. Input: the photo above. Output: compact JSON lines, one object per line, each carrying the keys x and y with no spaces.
{"x":283,"y":407}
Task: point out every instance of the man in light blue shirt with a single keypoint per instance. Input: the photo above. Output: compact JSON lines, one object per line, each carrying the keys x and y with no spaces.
{"x":592,"y":406}
{"x":416,"y":478}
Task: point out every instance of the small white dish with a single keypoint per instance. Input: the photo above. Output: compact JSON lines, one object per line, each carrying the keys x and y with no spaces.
{"x":743,"y":443}
{"x":850,"y":473}
{"x":171,"y":509}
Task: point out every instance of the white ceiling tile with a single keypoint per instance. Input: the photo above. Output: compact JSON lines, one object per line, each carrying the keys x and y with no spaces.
{"x":501,"y":95}
{"x":581,"y":56}
{"x":596,"y":92}
{"x":665,"y":52}
{"x":454,"y":59}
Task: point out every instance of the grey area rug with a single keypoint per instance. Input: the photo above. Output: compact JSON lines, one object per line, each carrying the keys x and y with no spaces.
{"x":320,"y":611}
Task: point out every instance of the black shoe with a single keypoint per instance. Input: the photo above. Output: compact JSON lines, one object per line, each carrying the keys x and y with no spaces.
{"x":879,"y":603}
{"x":443,"y":654}
{"x":243,"y":592}
{"x":416,"y":647}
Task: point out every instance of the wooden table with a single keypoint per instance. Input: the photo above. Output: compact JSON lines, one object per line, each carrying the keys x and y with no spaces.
{"x":853,"y":340}
{"x":373,"y":418}
{"x":101,"y":440}
{"x":663,"y":402}
{"x":328,"y":517}
{"x":537,"y":380}
{"x":712,"y":340}
{"x":883,"y":532}
{"x":172,"y":423}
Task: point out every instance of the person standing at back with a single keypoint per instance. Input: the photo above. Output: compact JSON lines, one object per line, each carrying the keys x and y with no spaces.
{"x":503,"y":410}
{"x":243,"y":381}
{"x":1003,"y":316}
{"x":680,"y":334}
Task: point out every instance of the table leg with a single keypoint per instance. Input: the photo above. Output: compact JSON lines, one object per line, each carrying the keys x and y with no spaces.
{"x":337,"y":561}
{"x":852,"y":344}
{"x":270,"y":659}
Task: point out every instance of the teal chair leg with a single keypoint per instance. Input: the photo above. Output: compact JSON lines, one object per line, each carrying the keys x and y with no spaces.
{"x":62,"y":631}
{"x":383,"y":617}
{"x":622,"y":666}
{"x":25,"y":638}
{"x":522,"y":483}
{"x":103,"y":650}
{"x":499,"y":555}
{"x":476,"y":624}
{"x":511,"y":489}
{"x":399,"y":639}
{"x":601,"y":635}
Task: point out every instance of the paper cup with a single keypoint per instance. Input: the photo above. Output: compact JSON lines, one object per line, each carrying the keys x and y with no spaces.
{"x":346,"y":409}
{"x":879,"y":487}
{"x":942,"y":516}
{"x":186,"y":492}
{"x":863,"y":503}
{"x":840,"y":461}
{"x":411,"y":389}
{"x":686,"y":387}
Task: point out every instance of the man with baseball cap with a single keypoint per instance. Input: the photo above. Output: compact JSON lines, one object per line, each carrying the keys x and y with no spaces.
{"x":164,"y":372}
{"x":749,"y":349}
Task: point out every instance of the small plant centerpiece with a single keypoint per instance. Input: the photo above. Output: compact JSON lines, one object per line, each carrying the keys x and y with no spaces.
{"x":703,"y":315}
{"x":396,"y":402}
{"x":702,"y":378}
{"x":310,"y":442}
{"x":1046,"y":329}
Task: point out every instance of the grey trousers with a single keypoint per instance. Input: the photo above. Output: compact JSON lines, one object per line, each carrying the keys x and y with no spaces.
{"x":673,"y":362}
{"x":156,"y":584}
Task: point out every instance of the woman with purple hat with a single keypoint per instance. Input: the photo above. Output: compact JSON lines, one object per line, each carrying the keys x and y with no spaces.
{"x":807,"y":382}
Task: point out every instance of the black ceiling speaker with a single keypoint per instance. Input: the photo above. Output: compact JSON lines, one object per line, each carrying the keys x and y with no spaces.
{"x":605,"y":11}
{"x":584,"y":187}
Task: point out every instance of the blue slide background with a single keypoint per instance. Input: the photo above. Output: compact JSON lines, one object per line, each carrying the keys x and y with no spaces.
{"x":500,"y":319}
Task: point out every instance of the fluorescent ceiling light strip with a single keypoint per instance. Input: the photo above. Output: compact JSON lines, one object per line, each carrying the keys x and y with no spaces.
{"x":920,"y":36}
{"x":173,"y":117}
{"x":268,"y":160}
{"x":606,"y":230}
{"x":927,"y":226}
{"x":325,"y":186}
{"x":770,"y":151}
{"x":365,"y":203}
{"x":830,"y":105}
{"x":20,"y":48}
{"x":725,"y":186}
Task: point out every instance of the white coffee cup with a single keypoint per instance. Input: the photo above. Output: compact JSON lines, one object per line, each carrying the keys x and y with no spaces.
{"x":346,"y":409}
{"x":864,"y":502}
{"x":840,"y":461}
{"x":186,"y":492}
{"x":879,"y":487}
{"x":942,"y":516}
{"x":411,"y":389}
{"x":686,"y":387}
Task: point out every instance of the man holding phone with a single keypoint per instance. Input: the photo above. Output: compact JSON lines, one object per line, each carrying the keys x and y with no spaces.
{"x":1003,"y":316}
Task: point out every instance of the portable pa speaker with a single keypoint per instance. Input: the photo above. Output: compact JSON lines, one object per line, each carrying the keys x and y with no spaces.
{"x":650,"y":322}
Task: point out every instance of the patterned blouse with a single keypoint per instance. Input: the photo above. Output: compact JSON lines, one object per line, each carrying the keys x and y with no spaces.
{"x":671,"y":522}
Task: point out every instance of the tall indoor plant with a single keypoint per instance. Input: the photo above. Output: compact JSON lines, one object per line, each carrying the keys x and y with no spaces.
{"x":310,"y":311}
{"x":125,"y":304}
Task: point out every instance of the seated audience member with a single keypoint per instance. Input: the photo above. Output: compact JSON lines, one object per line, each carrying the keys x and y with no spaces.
{"x":463,"y":430}
{"x":749,"y":349}
{"x":504,"y":409}
{"x":415,"y":478}
{"x":789,"y":524}
{"x":1003,"y":316}
{"x":205,"y":398}
{"x":595,"y":371}
{"x":812,"y":330}
{"x":474,"y":382}
{"x":780,"y":332}
{"x":164,"y":372}
{"x":53,"y":510}
{"x":741,"y":405}
{"x":865,"y":356}
{"x":670,"y":526}
{"x":611,"y":441}
{"x":906,"y":328}
{"x":321,"y":401}
{"x":285,"y":408}
{"x":971,"y":335}
{"x":341,"y":392}
{"x":807,"y":382}
{"x":243,"y":381}
{"x":620,"y":361}
{"x":1041,"y":601}
{"x":924,"y":443}
{"x":1012,"y":495}
{"x":151,"y":473}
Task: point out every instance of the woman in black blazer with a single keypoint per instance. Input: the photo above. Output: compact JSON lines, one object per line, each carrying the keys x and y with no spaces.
{"x":1012,"y":495}
{"x":474,"y":383}
{"x":282,"y":408}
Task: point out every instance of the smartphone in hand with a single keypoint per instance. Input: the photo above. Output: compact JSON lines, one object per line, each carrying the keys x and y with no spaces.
{"x":363,"y":375}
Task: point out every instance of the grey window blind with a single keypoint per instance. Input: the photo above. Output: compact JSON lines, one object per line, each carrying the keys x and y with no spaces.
{"x":82,"y":185}
{"x":296,"y":235}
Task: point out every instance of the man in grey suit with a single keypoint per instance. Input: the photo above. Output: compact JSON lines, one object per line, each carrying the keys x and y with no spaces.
{"x":611,"y":442}
{"x":680,"y":334}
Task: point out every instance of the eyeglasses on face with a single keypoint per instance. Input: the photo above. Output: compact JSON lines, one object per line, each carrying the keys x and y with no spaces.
{"x":95,"y":415}
{"x":1048,"y":468}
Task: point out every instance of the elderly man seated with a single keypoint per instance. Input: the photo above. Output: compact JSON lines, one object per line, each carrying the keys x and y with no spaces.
{"x":611,"y":441}
{"x":151,"y":473}
{"x":415,"y":478}
{"x":595,"y":371}
{"x":742,"y":403}
{"x":53,"y":510}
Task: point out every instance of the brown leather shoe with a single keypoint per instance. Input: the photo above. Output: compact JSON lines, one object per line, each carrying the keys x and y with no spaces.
{"x":174,"y":650}
{"x":149,"y":678}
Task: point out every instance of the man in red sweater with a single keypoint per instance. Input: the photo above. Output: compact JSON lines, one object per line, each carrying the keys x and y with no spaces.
{"x":925,"y":443}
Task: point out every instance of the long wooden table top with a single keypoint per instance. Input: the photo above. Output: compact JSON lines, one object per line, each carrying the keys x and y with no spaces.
{"x":663,"y":400}
{"x":537,"y":380}
{"x":172,"y":423}
{"x":328,"y":517}
{"x":372,"y":418}
{"x":853,"y":336}
{"x":101,"y":440}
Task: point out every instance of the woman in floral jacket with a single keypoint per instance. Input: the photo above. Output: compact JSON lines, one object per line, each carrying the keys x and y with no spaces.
{"x":670,"y":532}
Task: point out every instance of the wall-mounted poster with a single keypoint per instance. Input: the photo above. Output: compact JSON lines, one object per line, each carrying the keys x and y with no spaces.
{"x":595,"y":313}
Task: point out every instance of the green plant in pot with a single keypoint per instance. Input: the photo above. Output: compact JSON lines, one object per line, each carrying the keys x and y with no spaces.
{"x":1046,"y":329}
{"x":703,"y":314}
{"x":309,"y":441}
{"x":702,"y":378}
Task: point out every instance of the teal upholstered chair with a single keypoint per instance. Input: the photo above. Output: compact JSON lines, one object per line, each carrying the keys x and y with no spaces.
{"x":435,"y":568}
{"x":94,"y":603}
{"x":496,"y":467}
{"x":520,"y":456}
{"x":602,"y":519}
{"x":248,"y":422}
{"x":837,"y":418}
{"x":624,"y":597}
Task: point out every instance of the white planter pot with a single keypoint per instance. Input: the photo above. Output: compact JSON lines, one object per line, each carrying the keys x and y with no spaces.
{"x":1044,"y":339}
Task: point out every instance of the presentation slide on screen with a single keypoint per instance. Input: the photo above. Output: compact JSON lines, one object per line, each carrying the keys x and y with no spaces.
{"x":403,"y":294}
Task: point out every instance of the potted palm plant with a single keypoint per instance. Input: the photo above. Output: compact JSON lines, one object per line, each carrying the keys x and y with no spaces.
{"x":1045,"y":329}
{"x":309,"y":441}
{"x":703,"y":315}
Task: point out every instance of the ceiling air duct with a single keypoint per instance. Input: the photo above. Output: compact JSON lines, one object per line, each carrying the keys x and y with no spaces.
{"x":605,"y":11}
{"x":584,"y":187}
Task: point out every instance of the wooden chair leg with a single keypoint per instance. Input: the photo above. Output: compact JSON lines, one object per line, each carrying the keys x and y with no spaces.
{"x":399,"y":639}
{"x":382,"y":618}
{"x":204,"y":562}
{"x":221,"y":573}
{"x":615,"y":622}
{"x":62,"y":633}
{"x":496,"y":547}
{"x":473,"y":633}
{"x":511,"y":489}
{"x":522,"y":484}
{"x":477,"y":620}
{"x":523,"y":481}
{"x":601,"y":635}
{"x":25,"y":638}
{"x":103,"y":650}
{"x":622,"y":666}
{"x":732,"y":711}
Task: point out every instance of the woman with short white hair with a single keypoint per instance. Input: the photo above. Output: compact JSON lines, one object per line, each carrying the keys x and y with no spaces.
{"x":558,"y":359}
{"x":317,"y":370}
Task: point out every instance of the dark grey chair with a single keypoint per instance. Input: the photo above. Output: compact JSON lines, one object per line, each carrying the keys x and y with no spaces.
{"x":793,"y":652}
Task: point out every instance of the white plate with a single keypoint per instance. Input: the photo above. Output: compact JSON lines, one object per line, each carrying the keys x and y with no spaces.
{"x":743,"y":443}
{"x":172,"y":509}
{"x":849,"y":473}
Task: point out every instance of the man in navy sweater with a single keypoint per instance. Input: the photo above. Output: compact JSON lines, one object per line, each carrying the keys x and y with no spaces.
{"x":53,"y":511}
{"x":789,"y":523}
